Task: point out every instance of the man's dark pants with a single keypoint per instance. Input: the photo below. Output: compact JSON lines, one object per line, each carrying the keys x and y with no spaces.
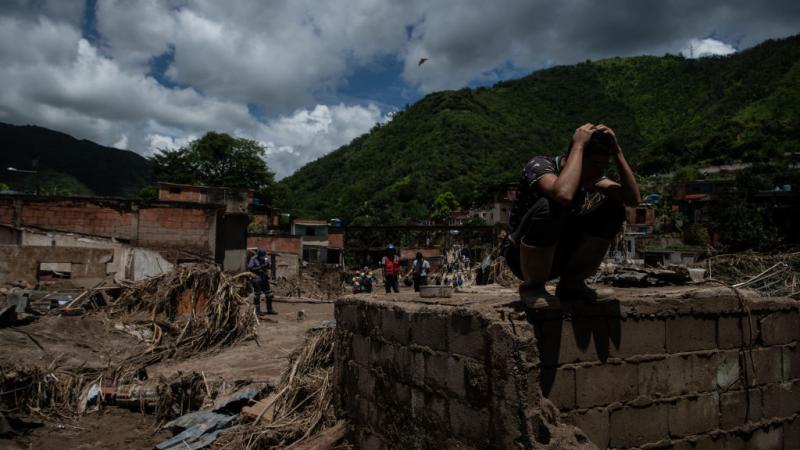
{"x":261,"y":284}
{"x":549,"y":223}
{"x":419,"y":281}
{"x":392,"y":283}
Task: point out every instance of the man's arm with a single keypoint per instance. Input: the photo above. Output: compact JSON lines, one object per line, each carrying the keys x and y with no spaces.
{"x":627,"y":190}
{"x":561,"y":188}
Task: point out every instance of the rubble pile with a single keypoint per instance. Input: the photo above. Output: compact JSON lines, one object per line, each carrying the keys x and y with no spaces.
{"x":192,"y":309}
{"x":317,"y":281}
{"x":773,"y":275}
{"x":300,"y":413}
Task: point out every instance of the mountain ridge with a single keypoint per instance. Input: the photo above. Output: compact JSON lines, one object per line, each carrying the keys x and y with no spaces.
{"x":668,"y":111}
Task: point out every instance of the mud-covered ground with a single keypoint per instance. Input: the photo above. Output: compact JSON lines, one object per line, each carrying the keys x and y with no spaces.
{"x":92,"y":341}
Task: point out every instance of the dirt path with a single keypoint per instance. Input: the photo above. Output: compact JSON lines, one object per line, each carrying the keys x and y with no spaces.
{"x":261,"y":360}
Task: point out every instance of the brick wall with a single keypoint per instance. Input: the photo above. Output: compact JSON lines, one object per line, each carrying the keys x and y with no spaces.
{"x":657,"y":369}
{"x":110,"y":220}
{"x":687,"y":373}
{"x":170,"y":227}
{"x":190,"y":228}
{"x":7,"y":211}
{"x":336,"y":237}
{"x":276,"y":243}
{"x":183,"y":194}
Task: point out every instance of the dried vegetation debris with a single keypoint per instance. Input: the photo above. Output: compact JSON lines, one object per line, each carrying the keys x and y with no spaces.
{"x":300,"y":414}
{"x":193,"y":309}
{"x":318,"y":281}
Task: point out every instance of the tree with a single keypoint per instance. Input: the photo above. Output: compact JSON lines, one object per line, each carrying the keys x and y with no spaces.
{"x":444,"y":205}
{"x":56,"y":184}
{"x":216,"y":159}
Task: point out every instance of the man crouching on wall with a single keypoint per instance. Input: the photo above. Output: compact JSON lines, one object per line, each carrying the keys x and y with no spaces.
{"x":553,"y":233}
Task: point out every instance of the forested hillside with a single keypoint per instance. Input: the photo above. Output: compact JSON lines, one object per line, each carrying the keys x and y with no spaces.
{"x":668,"y":112}
{"x":68,"y":166}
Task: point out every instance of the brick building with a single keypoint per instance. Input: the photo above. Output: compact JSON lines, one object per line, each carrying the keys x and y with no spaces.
{"x":182,"y":230}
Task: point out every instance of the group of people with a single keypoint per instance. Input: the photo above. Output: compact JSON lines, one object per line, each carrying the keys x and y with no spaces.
{"x":418,"y":272}
{"x":363,"y":281}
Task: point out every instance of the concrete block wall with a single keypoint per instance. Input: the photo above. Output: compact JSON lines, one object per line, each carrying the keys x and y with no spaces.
{"x":87,"y":265}
{"x":425,"y":377}
{"x":681,"y":369}
{"x":705,"y":370}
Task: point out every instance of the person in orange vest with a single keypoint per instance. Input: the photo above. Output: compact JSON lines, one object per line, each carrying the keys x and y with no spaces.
{"x":391,"y":269}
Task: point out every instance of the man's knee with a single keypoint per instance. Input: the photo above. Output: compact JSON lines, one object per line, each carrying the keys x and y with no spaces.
{"x":607,"y":220}
{"x":543,"y":223}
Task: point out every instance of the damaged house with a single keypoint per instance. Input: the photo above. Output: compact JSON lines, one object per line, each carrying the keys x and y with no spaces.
{"x":86,"y":239}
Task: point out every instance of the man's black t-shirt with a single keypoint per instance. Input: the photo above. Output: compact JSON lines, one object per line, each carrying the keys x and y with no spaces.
{"x":529,"y":191}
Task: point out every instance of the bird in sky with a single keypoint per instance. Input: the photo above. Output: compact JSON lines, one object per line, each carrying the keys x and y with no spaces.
{"x":422,"y":61}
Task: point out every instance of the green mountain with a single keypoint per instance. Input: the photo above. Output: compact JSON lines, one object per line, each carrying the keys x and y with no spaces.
{"x":668,"y":112}
{"x":66,"y":165}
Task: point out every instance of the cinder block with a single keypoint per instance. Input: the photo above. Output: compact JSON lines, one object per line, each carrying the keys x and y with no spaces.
{"x":466,"y":335}
{"x":728,"y":368}
{"x":763,"y":365}
{"x":559,"y":387}
{"x":739,"y":407}
{"x":791,"y":362}
{"x":564,"y":342}
{"x":781,"y":327}
{"x":781,"y":400}
{"x":634,"y":427}
{"x":705,"y":370}
{"x":686,"y":334}
{"x":476,"y":382}
{"x":429,"y":329}
{"x":694,"y":415}
{"x":395,"y":325}
{"x":456,"y":377}
{"x":348,"y":316}
{"x":361,"y":350}
{"x":605,"y":384}
{"x":417,"y":368}
{"x":664,"y":378}
{"x":791,"y":434}
{"x":366,"y":383}
{"x":736,"y":332}
{"x":641,"y":337}
{"x":770,"y":438}
{"x":594,"y":423}
{"x":469,"y":424}
{"x":436,"y":366}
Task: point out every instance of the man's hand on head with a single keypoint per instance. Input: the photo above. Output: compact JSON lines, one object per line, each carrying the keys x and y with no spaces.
{"x":607,"y":130}
{"x":583,"y":134}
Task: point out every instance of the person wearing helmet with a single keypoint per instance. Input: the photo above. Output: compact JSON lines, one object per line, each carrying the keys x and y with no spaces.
{"x":391,"y":269}
{"x":554,"y":231}
{"x":259,"y":266}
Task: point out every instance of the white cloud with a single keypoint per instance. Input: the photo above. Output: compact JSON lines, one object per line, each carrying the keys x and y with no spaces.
{"x":283,"y":57}
{"x":699,"y":48}
{"x":122,"y":143}
{"x":306,"y":135}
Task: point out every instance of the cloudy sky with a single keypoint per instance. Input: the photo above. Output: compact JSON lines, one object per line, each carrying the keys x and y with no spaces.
{"x":305,"y":77}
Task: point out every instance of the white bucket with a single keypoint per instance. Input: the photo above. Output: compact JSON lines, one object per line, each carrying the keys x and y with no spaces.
{"x":435,"y":291}
{"x":696,"y":273}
